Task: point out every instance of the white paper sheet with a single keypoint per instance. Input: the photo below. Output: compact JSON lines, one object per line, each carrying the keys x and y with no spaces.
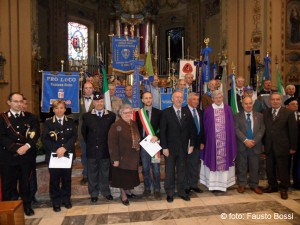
{"x":62,"y":162}
{"x":151,"y":148}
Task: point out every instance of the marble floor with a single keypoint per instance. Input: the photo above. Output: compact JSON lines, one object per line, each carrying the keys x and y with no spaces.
{"x":205,"y":208}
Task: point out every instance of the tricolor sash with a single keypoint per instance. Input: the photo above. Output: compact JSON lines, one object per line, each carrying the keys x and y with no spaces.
{"x":148,"y":130}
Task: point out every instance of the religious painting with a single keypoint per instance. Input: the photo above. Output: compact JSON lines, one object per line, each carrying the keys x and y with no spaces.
{"x":175,"y":46}
{"x":293,"y":24}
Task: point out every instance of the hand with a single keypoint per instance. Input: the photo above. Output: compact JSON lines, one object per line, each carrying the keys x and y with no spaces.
{"x":154,"y":139}
{"x":166,"y":152}
{"x":201,"y":146}
{"x":249,"y":143}
{"x":292,"y":151}
{"x":116,"y":163}
{"x":190,"y":150}
{"x":60,"y":152}
{"x":22,"y":150}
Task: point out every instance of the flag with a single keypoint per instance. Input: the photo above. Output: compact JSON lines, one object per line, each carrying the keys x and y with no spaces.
{"x":224,"y":81}
{"x":266,"y":75}
{"x":107,"y":101}
{"x":136,"y":98}
{"x":253,"y":80}
{"x":148,"y":65}
{"x":279,"y":83}
{"x":185,"y":67}
{"x":215,"y":71}
{"x":206,"y":68}
{"x":233,"y":100}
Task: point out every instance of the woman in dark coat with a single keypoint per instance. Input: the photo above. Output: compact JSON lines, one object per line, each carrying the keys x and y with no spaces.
{"x":124,"y":149}
{"x":59,"y":137}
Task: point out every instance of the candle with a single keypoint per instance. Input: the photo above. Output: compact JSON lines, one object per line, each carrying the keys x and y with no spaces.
{"x":182,"y":47}
{"x":97,"y":45}
{"x":169,"y":47}
{"x":155,"y":46}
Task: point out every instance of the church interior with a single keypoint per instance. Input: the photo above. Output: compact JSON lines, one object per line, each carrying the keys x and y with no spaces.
{"x":35,"y":37}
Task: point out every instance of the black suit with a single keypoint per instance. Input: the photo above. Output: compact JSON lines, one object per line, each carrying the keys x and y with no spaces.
{"x":175,"y":136}
{"x":67,"y":135}
{"x":13,"y":165}
{"x":95,"y":134}
{"x":280,"y":137}
{"x":145,"y":157}
{"x":193,"y":160}
{"x":296,"y":159}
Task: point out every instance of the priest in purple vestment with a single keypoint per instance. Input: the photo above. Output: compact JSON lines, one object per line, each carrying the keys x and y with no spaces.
{"x":217,"y":171}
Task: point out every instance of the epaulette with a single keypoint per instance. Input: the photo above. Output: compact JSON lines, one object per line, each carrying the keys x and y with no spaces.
{"x":50,"y":118}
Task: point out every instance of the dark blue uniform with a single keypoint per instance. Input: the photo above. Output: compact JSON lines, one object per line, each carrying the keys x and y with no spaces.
{"x":14,"y":133}
{"x":66,"y":137}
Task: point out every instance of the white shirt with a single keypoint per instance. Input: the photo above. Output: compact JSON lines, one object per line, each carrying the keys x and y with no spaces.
{"x":218,"y":106}
{"x":87,"y":103}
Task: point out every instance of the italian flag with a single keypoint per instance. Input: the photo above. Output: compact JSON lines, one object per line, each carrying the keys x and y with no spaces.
{"x":105,"y":89}
{"x":233,"y":99}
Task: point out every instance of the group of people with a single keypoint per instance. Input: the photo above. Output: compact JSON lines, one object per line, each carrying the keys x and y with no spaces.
{"x":111,"y":153}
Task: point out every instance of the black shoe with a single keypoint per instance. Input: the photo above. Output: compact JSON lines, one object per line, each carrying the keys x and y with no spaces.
{"x":185,"y":197}
{"x":131,"y":195}
{"x":146,"y":193}
{"x":125,"y":202}
{"x":197,"y":190}
{"x":94,"y":199}
{"x":83,"y":181}
{"x":28,"y":211}
{"x":187,"y":191}
{"x":56,"y":208}
{"x":157,"y":195}
{"x":284,"y":195}
{"x":269,"y":189}
{"x":68,"y":205}
{"x":170,"y":198}
{"x":34,"y":200}
{"x":109,"y":197}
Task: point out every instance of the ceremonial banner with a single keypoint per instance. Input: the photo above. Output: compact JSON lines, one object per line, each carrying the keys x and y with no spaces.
{"x":120,"y":92}
{"x":187,"y":66}
{"x":166,"y":99}
{"x":60,"y":87}
{"x":123,"y":53}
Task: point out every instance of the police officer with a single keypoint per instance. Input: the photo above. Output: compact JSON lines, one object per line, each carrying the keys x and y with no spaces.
{"x":95,"y":127}
{"x":19,"y":132}
{"x":59,"y":136}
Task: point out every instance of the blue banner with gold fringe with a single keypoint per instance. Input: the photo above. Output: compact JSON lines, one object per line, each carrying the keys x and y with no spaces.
{"x":123,"y":53}
{"x":60,"y":86}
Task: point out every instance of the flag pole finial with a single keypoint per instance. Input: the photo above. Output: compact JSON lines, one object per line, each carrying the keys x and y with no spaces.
{"x":233,"y":67}
{"x":206,"y":41}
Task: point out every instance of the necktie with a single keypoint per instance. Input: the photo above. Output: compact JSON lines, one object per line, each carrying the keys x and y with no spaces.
{"x":87,"y":98}
{"x":196,"y":121}
{"x":17,"y":115}
{"x":147,"y":112}
{"x":274,"y":114}
{"x":179,"y":116}
{"x":249,"y":129}
{"x":59,"y":120}
{"x":100,"y":114}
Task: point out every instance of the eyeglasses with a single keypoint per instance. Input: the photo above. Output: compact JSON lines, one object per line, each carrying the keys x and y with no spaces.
{"x":126,"y":113}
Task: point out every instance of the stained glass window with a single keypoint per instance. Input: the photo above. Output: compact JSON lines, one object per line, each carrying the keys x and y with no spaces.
{"x":77,"y":44}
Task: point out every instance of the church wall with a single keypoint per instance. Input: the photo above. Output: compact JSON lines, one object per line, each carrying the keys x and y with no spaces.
{"x":15,"y":45}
